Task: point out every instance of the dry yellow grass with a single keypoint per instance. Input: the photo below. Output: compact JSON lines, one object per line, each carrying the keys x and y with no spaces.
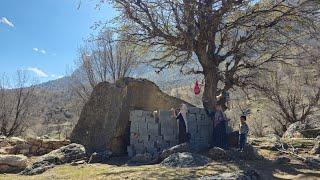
{"x":102,"y":171}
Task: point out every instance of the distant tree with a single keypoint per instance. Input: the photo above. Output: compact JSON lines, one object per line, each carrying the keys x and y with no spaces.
{"x":15,"y":104}
{"x":227,"y":38}
{"x":292,"y":93}
{"x":103,"y":58}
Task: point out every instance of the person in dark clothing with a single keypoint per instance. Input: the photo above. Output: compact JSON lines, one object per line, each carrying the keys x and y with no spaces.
{"x":219,"y":126}
{"x":181,"y":117}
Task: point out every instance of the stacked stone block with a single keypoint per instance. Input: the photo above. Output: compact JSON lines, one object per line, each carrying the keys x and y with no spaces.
{"x":152,"y":132}
{"x":200,"y":127}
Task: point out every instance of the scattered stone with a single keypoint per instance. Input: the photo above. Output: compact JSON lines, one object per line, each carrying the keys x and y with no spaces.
{"x":218,"y":154}
{"x":67,"y":154}
{"x":282,"y":160}
{"x":175,"y":149}
{"x":104,"y":120}
{"x":185,"y":159}
{"x":12,"y":163}
{"x":100,"y":157}
{"x":274,"y":146}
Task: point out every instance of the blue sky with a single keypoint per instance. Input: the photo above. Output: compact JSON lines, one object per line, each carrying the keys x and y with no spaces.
{"x":42,"y":36}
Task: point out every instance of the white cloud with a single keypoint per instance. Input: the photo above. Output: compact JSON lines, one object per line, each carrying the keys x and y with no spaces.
{"x":37,"y":71}
{"x":5,"y":21}
{"x":42,"y":51}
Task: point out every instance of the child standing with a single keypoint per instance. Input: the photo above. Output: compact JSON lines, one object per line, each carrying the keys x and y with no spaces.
{"x":243,"y":132}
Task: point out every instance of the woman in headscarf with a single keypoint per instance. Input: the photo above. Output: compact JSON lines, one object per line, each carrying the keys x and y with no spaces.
{"x":219,"y":125}
{"x":220,"y":128}
{"x":181,"y":117}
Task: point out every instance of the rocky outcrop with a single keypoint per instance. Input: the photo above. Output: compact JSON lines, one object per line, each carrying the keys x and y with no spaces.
{"x":175,"y":149}
{"x":12,"y":163}
{"x":301,"y":130}
{"x":30,"y":146}
{"x":67,"y":154}
{"x":104,"y":121}
{"x":185,"y":159}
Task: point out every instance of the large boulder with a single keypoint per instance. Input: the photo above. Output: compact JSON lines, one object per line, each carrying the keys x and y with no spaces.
{"x":184,"y":147}
{"x":185,"y":159}
{"x":104,"y":120}
{"x":12,"y":163}
{"x":67,"y":154}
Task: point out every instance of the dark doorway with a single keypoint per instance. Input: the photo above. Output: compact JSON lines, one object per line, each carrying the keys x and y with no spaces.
{"x":182,"y":129}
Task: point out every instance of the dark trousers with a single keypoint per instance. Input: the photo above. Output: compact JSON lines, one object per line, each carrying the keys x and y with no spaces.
{"x":242,"y":141}
{"x":220,"y":135}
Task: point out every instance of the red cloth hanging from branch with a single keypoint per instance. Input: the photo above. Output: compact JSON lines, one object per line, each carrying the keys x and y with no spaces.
{"x":196,"y":88}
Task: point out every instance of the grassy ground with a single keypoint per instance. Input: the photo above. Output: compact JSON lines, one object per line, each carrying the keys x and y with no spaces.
{"x":103,"y":171}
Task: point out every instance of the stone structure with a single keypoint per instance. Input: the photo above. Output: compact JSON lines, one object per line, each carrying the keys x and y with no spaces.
{"x":152,"y":132}
{"x":104,"y":120}
{"x":30,"y":146}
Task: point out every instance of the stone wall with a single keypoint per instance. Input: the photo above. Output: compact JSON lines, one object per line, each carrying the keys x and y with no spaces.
{"x":153,"y":132}
{"x":30,"y":146}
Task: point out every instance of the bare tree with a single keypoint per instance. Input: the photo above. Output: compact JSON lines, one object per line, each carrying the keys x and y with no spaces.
{"x":103,"y":58}
{"x":293,"y":94}
{"x":15,"y":105}
{"x":225,"y":37}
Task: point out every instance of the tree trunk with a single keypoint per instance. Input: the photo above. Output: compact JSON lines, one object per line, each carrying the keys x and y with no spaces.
{"x":209,"y":98}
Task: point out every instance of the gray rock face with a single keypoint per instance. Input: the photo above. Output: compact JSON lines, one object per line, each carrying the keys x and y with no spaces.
{"x":12,"y":163}
{"x":185,"y":159}
{"x":104,"y":120}
{"x":218,"y":154}
{"x":175,"y":149}
{"x":66,"y":154}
